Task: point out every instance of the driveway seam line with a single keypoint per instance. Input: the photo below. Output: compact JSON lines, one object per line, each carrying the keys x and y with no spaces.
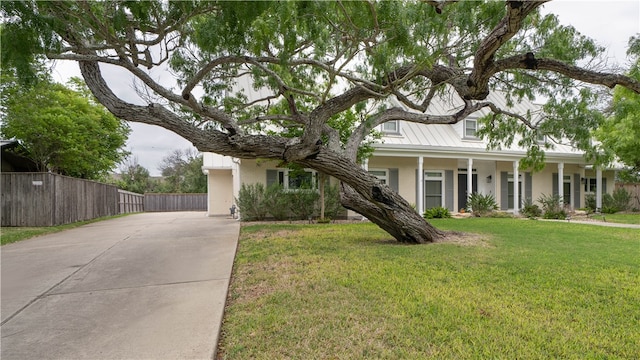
{"x":44,"y":294}
{"x":134,"y":287}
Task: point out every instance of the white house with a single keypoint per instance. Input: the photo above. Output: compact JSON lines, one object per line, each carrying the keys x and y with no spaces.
{"x":437,"y":165}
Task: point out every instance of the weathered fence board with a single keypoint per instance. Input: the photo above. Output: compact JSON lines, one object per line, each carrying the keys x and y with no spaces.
{"x":44,"y":199}
{"x":175,"y":202}
{"x":130,"y":202}
{"x":634,"y":191}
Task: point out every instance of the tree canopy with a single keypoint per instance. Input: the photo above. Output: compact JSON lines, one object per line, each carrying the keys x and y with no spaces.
{"x":182,"y":172}
{"x":61,"y":129}
{"x":620,"y":132}
{"x":309,"y":61}
{"x":134,"y":177}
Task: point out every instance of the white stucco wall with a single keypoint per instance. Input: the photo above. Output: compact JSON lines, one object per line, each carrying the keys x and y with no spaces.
{"x":220,"y":195}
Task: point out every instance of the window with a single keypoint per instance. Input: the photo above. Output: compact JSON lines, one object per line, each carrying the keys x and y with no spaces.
{"x":590,"y":185}
{"x":566,"y":189}
{"x":382,"y":175}
{"x":470,"y":128}
{"x":297,"y":179}
{"x":433,"y":189}
{"x":391,"y":127}
{"x":541,"y":138}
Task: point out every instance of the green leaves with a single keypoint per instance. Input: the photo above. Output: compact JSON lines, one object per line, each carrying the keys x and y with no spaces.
{"x":66,"y":133}
{"x":620,"y":133}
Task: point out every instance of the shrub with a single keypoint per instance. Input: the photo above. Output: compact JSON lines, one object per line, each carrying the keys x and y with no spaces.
{"x":621,"y":199}
{"x":590,"y":202}
{"x":251,"y":202}
{"x":552,"y":207}
{"x":276,"y":202}
{"x":530,"y":210}
{"x":302,"y":203}
{"x":437,"y":213}
{"x":332,"y":205}
{"x":481,"y":205}
{"x":257,"y":203}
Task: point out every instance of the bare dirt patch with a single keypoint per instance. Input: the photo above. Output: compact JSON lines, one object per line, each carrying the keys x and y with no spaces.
{"x":465,"y":239}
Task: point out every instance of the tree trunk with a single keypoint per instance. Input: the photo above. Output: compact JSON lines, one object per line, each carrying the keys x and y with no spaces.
{"x":393,"y":214}
{"x":364,"y":194}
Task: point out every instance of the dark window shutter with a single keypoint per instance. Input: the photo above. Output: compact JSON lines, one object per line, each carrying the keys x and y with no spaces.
{"x":604,"y":185}
{"x":393,"y":179}
{"x":448,"y":189}
{"x":504,"y":191}
{"x":554,"y":181}
{"x":576,"y":191}
{"x":528,"y":186}
{"x":272,"y":177}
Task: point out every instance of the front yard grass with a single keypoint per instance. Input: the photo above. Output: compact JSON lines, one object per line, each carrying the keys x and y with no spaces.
{"x":522,"y":290}
{"x":622,"y":218}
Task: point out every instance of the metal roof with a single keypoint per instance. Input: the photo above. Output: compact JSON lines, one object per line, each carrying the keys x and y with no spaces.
{"x":446,"y":138}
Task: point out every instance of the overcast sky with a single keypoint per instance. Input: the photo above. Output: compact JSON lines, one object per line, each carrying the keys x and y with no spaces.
{"x":610,"y":23}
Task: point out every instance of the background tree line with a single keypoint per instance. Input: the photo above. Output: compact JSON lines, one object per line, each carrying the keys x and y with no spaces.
{"x":64,"y":130}
{"x":181,"y":173}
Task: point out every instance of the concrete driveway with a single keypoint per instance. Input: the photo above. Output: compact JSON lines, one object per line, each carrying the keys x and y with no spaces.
{"x":145,"y":286}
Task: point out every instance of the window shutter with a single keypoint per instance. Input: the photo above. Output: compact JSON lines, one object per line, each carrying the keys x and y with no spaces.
{"x":528,"y":186}
{"x":576,"y":191}
{"x":554,"y":181}
{"x":393,"y":179}
{"x":448,"y":189}
{"x":504,"y":191}
{"x":272,"y":177}
{"x":604,"y":185}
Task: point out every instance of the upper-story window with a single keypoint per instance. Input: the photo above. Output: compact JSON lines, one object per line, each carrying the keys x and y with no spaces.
{"x":470,"y":128}
{"x":391,"y":127}
{"x":541,"y":138}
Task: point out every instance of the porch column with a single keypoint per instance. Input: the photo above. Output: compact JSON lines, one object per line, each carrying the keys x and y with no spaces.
{"x":420,"y":185}
{"x":561,"y":182}
{"x":365,"y":165}
{"x":598,"y":189}
{"x":516,"y":187}
{"x":469,"y":177}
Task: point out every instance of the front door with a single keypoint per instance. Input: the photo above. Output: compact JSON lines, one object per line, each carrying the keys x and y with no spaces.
{"x":462,"y":189}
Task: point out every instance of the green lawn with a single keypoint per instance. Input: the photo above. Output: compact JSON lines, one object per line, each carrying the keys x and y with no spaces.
{"x":10,"y":235}
{"x":525,"y":289}
{"x":623,"y":218}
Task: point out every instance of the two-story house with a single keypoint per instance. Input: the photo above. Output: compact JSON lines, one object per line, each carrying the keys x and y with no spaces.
{"x":437,"y":165}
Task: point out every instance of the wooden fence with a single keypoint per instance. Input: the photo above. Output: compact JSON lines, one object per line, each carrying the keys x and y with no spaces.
{"x":44,"y":199}
{"x":634,"y":190}
{"x":130,"y":202}
{"x":175,"y":202}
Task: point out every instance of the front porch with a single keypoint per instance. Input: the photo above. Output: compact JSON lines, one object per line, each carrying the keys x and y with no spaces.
{"x":430,"y":181}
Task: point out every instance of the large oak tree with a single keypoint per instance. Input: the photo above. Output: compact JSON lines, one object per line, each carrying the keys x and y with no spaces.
{"x":311,"y":62}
